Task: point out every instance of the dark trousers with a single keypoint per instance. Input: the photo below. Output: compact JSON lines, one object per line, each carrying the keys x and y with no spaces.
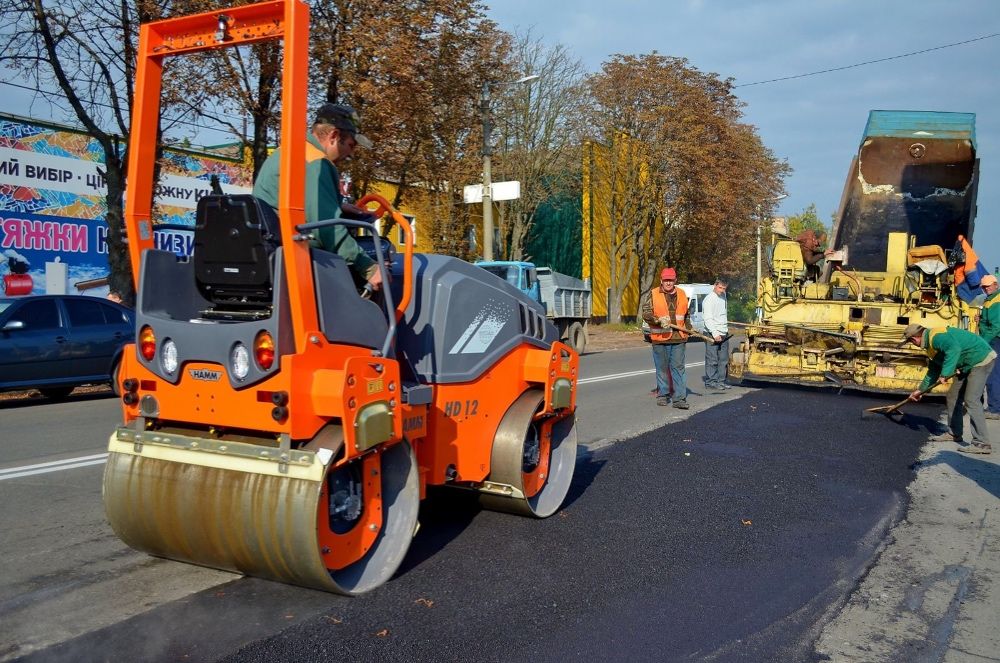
{"x":993,"y":381}
{"x":967,"y":389}
{"x":716,"y":360}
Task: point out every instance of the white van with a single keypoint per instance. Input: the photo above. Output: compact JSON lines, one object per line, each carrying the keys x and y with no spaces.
{"x":696,"y":296}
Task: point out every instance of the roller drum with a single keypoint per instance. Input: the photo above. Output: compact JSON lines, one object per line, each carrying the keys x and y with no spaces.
{"x":248,"y":516}
{"x":512,"y":464}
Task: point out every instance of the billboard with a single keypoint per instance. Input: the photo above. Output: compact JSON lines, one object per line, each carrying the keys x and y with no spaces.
{"x":52,"y":206}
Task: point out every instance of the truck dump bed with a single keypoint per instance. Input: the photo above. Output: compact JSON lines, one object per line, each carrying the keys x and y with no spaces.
{"x":915,"y":172}
{"x":564,"y":296}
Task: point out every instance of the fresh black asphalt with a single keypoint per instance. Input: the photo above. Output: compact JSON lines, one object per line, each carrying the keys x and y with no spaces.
{"x":726,"y":536}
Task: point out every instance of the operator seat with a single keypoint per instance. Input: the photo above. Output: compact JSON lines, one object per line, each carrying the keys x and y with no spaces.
{"x":235,"y":240}
{"x":788,"y":267}
{"x":235,"y":236}
{"x":927,"y":265}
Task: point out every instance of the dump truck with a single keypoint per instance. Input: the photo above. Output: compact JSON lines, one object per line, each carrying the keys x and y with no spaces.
{"x":566,"y":299}
{"x":279,"y":425}
{"x":901,"y":244}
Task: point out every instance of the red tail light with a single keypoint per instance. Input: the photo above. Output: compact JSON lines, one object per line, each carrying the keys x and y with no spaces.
{"x":263,"y":350}
{"x":147,"y":343}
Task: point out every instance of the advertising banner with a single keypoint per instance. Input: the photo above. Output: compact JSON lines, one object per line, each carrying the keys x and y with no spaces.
{"x":52,"y":206}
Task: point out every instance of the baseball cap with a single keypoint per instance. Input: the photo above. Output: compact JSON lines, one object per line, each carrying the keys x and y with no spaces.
{"x":668,"y":273}
{"x":989,"y":279}
{"x":911,"y":330}
{"x":344,"y":118}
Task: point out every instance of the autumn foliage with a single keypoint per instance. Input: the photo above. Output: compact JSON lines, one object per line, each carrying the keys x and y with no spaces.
{"x":682,"y":180}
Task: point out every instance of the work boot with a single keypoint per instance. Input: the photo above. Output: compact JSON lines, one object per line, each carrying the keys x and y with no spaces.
{"x":681,"y":405}
{"x":943,"y":437}
{"x":976,"y":448}
{"x":662,"y":400}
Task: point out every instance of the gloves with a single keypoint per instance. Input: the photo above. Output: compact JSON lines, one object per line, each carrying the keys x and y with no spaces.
{"x":664,"y":322}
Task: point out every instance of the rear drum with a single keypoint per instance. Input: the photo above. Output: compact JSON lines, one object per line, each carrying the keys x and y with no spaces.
{"x":534,"y":457}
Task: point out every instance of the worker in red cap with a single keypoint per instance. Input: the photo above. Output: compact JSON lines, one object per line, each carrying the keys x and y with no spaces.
{"x":665,"y":309}
{"x":989,"y":329}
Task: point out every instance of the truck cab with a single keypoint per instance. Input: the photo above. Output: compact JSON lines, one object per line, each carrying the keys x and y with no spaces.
{"x":521,"y":275}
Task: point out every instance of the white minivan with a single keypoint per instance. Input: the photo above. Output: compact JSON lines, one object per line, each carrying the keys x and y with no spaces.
{"x":696,"y":296}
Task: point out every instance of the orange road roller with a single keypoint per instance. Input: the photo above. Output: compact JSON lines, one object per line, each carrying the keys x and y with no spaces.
{"x":279,"y":425}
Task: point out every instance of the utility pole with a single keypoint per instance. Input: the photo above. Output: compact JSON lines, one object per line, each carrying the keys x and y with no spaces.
{"x":484,"y":109}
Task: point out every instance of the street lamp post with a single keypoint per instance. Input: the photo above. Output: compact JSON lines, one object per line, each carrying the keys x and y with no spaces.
{"x":484,"y":108}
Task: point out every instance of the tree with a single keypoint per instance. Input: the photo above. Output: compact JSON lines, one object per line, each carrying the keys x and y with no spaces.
{"x":807,"y":219}
{"x":697,"y":180}
{"x":87,"y":51}
{"x":413,"y":70}
{"x":538,"y":135}
{"x":236,"y":84}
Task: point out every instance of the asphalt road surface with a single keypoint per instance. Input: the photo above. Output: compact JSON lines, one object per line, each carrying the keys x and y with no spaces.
{"x":731,"y":534}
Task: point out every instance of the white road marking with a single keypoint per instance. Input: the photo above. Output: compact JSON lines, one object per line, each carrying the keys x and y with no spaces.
{"x":53,"y":466}
{"x":97,"y":459}
{"x":630,"y":374}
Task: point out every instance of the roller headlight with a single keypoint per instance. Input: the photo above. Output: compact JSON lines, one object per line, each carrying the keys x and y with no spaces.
{"x":239,"y":361}
{"x":168,"y":356}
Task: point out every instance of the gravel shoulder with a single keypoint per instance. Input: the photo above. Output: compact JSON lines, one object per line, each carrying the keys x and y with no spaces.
{"x":933,"y":594}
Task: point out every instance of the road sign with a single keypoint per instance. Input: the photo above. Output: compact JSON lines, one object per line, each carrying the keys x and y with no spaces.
{"x":499,"y":191}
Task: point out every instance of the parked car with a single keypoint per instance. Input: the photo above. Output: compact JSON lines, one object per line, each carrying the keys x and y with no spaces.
{"x":55,"y":343}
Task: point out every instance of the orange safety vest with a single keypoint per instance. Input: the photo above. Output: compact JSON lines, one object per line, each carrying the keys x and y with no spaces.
{"x":661,"y":310}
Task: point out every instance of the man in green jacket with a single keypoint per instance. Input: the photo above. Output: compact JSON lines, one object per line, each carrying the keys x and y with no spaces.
{"x":965,"y":359}
{"x":989,"y":329}
{"x":333,"y":137}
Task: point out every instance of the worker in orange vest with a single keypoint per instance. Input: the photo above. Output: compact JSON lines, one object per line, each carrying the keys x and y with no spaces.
{"x":663,"y":306}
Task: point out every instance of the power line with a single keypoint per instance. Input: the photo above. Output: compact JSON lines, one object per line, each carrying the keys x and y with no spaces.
{"x":861,"y":64}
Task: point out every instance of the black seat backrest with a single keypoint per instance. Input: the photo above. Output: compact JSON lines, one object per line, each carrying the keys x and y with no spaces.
{"x":234,"y":237}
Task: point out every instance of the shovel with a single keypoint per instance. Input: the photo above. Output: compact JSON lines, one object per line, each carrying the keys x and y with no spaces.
{"x":691,"y":332}
{"x":889,"y":410}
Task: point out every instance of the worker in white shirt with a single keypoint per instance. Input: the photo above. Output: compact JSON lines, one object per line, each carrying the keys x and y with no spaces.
{"x":717,"y":353}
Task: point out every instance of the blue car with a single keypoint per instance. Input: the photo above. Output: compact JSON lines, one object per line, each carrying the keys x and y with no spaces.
{"x":55,"y":343}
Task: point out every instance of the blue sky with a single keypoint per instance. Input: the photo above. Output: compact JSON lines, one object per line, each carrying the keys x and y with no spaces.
{"x":814,"y":122}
